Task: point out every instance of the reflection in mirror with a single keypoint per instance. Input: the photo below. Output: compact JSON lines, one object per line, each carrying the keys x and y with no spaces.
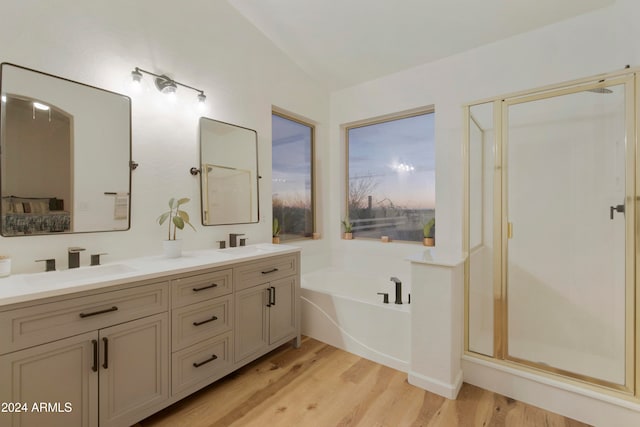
{"x":481,"y":168}
{"x":229,"y":173}
{"x":65,"y":155}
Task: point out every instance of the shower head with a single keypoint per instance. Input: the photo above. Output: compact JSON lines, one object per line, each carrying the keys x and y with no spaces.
{"x":600,"y":90}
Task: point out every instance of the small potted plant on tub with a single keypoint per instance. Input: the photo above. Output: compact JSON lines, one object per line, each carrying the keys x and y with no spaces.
{"x":348,"y":234}
{"x":172,"y":246}
{"x":275,"y":231}
{"x":429,"y":233}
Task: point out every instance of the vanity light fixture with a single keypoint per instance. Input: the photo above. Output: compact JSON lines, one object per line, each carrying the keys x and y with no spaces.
{"x":40,"y":106}
{"x":165,"y":84}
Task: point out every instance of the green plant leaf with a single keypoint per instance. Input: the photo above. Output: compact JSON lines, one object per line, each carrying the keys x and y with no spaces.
{"x":184,"y":215}
{"x":179,"y":222}
{"x":171,"y":200}
{"x":162,"y":218}
{"x":183,"y":201}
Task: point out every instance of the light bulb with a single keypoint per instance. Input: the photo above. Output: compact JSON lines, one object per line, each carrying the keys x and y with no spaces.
{"x":40,"y":106}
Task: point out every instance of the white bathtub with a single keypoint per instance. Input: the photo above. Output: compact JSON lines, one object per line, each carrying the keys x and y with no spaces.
{"x":343,"y":309}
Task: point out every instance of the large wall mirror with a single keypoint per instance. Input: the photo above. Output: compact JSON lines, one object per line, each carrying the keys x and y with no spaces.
{"x":228,"y":173}
{"x":65,"y":163}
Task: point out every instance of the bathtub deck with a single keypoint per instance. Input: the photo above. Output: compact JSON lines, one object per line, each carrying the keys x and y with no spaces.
{"x":320,"y":385}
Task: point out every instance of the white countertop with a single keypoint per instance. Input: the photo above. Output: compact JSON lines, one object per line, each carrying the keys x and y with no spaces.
{"x":432,"y":257}
{"x":19,"y":288}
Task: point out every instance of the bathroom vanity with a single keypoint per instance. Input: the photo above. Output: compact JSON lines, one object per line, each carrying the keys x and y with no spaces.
{"x":111,"y":345}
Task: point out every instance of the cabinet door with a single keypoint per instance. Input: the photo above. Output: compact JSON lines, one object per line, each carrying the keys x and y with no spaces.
{"x":250,"y":322}
{"x":282,"y":314}
{"x":56,"y":381}
{"x":134,"y":372}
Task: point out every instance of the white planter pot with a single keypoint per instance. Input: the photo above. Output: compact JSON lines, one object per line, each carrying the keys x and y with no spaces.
{"x":172,"y":248}
{"x":5,"y":266}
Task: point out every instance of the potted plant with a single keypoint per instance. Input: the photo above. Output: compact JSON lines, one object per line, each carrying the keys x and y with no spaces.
{"x":173,"y":246}
{"x":429,"y":233}
{"x":275,"y":231}
{"x":348,"y":234}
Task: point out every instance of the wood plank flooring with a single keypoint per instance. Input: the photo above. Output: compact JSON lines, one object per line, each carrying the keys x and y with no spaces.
{"x":319,"y":385}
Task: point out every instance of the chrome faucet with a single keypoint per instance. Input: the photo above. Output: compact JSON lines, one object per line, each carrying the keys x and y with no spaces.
{"x":74,"y":256}
{"x":398,"y":289}
{"x":233,"y":239}
{"x":50,"y":264}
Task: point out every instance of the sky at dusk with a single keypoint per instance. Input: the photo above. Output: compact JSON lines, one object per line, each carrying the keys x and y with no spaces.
{"x":291,"y":160}
{"x":399,"y":156}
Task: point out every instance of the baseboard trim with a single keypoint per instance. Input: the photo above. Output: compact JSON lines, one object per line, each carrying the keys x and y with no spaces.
{"x":450,"y":391}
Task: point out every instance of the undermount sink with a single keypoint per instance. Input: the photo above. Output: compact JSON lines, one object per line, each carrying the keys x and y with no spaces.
{"x":75,"y":274}
{"x":247,"y":250}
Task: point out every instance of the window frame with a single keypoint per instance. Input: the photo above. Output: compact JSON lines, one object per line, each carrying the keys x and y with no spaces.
{"x":305,"y":122}
{"x":421,"y":111}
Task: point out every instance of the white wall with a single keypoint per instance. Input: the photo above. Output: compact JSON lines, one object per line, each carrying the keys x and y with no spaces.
{"x":204,"y":44}
{"x":601,"y":41}
{"x":594,"y":43}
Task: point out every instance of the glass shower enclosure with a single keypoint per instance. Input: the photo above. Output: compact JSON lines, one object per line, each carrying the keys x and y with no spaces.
{"x":550,"y":230}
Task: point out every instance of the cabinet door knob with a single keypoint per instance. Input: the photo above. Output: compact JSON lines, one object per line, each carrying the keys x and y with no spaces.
{"x":105,"y":365}
{"x":94,"y":343}
{"x":268,"y":297}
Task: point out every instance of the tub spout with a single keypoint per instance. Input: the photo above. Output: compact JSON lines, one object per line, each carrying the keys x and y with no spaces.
{"x":398,"y":289}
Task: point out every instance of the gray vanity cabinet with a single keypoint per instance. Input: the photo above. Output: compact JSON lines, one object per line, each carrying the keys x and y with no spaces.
{"x":118,"y":363}
{"x":111,"y":357}
{"x":59,"y":372}
{"x":266,"y":305}
{"x":133,"y":371}
{"x":201,"y":323}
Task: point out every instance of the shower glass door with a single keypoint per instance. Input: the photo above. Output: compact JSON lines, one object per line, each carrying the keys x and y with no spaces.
{"x":569,"y":178}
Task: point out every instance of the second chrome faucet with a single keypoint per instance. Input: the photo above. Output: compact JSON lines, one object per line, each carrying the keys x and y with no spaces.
{"x":74,"y":256}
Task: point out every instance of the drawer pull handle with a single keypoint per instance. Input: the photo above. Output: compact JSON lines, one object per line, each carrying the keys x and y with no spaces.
{"x":273,"y":270}
{"x":205,"y":321}
{"x":211,"y":359}
{"x":107,"y":310}
{"x":94,"y":368}
{"x":213,"y":285}
{"x":105,"y":365}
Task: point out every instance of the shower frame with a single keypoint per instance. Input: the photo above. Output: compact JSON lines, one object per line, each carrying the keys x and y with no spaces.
{"x":500,"y":104}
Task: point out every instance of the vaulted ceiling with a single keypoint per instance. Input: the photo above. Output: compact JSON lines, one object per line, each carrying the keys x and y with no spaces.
{"x":345,"y":42}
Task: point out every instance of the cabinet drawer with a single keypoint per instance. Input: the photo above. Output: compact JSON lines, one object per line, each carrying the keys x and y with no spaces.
{"x":266,"y":270}
{"x":200,"y":287}
{"x":201,"y":364}
{"x":43,"y":323}
{"x":200,"y":321}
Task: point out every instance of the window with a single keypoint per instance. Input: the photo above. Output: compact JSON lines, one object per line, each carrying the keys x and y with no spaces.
{"x":391,"y":177}
{"x":292,"y":166}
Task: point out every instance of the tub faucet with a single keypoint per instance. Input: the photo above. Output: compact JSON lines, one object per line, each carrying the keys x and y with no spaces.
{"x":74,"y":256}
{"x":398,"y":289}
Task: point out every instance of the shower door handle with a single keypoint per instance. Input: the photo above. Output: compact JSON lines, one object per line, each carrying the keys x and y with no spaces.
{"x":618,"y":208}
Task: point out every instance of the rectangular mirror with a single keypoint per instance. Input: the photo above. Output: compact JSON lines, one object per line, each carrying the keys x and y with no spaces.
{"x":65,"y":163}
{"x":228,"y":173}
